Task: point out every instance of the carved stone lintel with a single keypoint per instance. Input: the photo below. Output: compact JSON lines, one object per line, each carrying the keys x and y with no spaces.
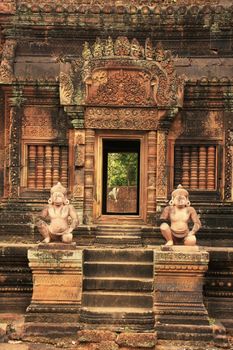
{"x":121,"y":118}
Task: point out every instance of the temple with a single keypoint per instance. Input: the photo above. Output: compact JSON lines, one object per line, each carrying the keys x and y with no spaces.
{"x":120,"y":102}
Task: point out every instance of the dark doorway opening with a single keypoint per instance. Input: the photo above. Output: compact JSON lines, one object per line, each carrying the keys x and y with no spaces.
{"x":121,"y":177}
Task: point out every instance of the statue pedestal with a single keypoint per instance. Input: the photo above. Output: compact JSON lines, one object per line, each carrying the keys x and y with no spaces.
{"x":57,"y":290}
{"x":178,"y":305}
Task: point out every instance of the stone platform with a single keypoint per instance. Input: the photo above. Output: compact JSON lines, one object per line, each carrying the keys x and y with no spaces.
{"x":178,"y":302}
{"x":57,"y":290}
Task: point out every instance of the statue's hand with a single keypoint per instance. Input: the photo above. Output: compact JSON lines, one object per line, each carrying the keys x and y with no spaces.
{"x":191,"y":233}
{"x":69,"y":230}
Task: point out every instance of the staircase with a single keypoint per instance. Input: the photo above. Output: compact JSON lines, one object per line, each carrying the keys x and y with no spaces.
{"x":117,"y":288}
{"x":123,"y":235}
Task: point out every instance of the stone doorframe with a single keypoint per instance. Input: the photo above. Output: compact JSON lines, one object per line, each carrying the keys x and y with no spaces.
{"x":97,"y":206}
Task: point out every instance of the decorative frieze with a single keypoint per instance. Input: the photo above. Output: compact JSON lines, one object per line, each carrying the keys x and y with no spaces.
{"x":121,"y":118}
{"x":43,"y":123}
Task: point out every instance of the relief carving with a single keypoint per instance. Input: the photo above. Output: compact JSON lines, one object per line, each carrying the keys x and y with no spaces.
{"x":229,"y":159}
{"x":198,"y":124}
{"x":79,"y":155}
{"x":7,"y":61}
{"x":122,"y":72}
{"x":121,"y":118}
{"x":161,"y":165}
{"x":42,"y":123}
{"x":14,"y":151}
{"x":119,"y":87}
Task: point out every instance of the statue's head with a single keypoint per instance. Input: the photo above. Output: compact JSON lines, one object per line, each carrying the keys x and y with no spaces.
{"x":180,"y":197}
{"x":58,"y":195}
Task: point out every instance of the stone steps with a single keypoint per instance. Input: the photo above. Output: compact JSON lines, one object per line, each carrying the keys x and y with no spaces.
{"x":117,"y":269}
{"x":125,"y":235}
{"x":117,"y":287}
{"x":114,"y":299}
{"x":119,"y":255}
{"x":117,"y":283}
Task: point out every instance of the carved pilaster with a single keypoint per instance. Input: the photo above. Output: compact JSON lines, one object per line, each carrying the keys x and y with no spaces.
{"x":89,"y":176}
{"x":14,"y":144}
{"x":79,"y":162}
{"x":162,"y":173}
{"x":228,"y":158}
{"x":151,"y":176}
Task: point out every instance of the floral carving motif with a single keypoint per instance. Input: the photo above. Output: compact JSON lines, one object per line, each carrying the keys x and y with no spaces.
{"x":120,"y":87}
{"x":229,"y":158}
{"x":66,"y":88}
{"x":14,"y":153}
{"x":42,"y":123}
{"x":121,"y":118}
{"x":161,"y":166}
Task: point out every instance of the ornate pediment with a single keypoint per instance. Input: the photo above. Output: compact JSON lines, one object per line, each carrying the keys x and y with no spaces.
{"x":121,"y":73}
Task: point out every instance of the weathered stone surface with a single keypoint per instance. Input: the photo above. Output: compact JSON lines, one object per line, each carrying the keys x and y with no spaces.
{"x":3,"y":330}
{"x":107,"y":345}
{"x":142,"y":340}
{"x":96,"y":336}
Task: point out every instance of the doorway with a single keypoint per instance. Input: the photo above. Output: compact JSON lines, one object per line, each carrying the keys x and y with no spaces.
{"x":121,"y":177}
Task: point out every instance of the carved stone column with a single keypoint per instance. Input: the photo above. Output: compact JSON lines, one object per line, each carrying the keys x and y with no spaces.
{"x":178,"y":303}
{"x":57,"y":290}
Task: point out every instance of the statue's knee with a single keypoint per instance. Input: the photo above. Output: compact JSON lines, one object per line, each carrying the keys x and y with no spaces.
{"x":164,"y":227}
{"x":67,"y":238}
{"x":190,"y":240}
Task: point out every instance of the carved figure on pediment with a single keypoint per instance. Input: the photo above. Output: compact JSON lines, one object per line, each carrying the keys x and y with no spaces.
{"x":7,"y":62}
{"x":122,"y":46}
{"x":109,"y":47}
{"x":97,"y":48}
{"x":86,"y":53}
{"x":62,"y":216}
{"x":179,"y":213}
{"x":160,"y":54}
{"x":136,"y":49}
{"x":149,"y":49}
